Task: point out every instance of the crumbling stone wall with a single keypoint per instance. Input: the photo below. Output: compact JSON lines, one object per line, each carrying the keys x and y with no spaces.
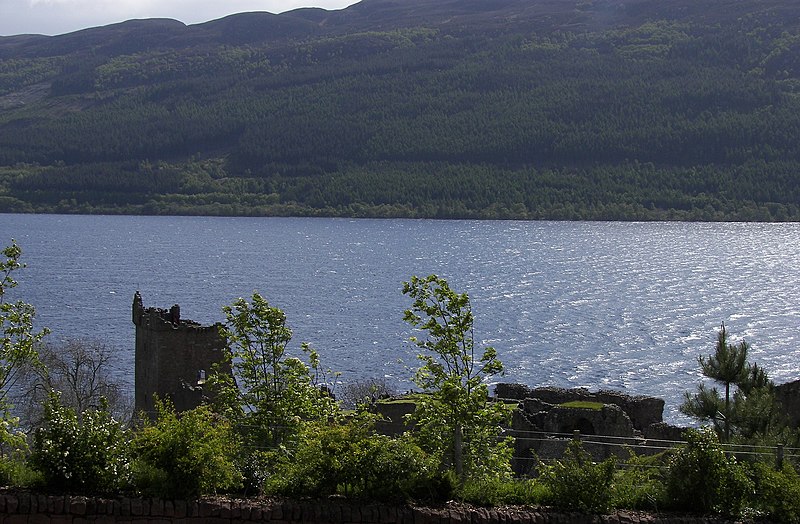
{"x":609,"y":420}
{"x":543,"y":427}
{"x":543,"y":431}
{"x":789,"y":397}
{"x":173,"y":356}
{"x":642,"y":410}
{"x":393,"y":415}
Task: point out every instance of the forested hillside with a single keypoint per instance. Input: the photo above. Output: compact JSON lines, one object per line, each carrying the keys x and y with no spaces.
{"x":543,"y":109}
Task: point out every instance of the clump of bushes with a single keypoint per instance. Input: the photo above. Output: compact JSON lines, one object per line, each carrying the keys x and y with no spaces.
{"x":177,"y":456}
{"x":199,"y":452}
{"x":702,"y":479}
{"x":638,"y":483}
{"x":777,"y":492}
{"x":697,"y":477}
{"x":576,"y":482}
{"x":350,"y":458}
{"x":16,"y":470}
{"x":87,"y":454}
{"x":502,"y":492}
{"x":186,"y":455}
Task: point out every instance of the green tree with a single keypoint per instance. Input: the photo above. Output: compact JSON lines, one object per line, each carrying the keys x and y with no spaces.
{"x":727,"y":365}
{"x":455,"y":419}
{"x":748,"y":408}
{"x":18,"y":344}
{"x":272,"y":393}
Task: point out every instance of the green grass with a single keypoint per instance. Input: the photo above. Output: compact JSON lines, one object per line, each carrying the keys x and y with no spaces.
{"x":405,"y":399}
{"x":583,"y":404}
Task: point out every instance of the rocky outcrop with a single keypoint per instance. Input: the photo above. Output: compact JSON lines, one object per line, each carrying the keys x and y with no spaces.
{"x":642,"y":410}
{"x":664,"y":431}
{"x":607,"y":422}
{"x":789,"y":397}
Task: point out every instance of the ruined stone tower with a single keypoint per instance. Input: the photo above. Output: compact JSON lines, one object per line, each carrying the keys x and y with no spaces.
{"x":173,"y":356}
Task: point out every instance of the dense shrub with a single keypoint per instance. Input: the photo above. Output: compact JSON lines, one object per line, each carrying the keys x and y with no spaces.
{"x":185,"y":455}
{"x":638,"y":484}
{"x":777,"y":493}
{"x":87,"y":455}
{"x":255,"y":466}
{"x":702,"y":479}
{"x":502,"y":492}
{"x":16,"y":471}
{"x":577,"y":482}
{"x":350,"y":458}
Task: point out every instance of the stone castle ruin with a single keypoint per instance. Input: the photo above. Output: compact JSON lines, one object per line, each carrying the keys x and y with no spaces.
{"x":544,"y":422}
{"x":173,"y":357}
{"x":547,"y":418}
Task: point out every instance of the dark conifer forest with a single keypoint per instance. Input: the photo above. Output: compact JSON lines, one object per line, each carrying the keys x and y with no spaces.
{"x":530,"y":109}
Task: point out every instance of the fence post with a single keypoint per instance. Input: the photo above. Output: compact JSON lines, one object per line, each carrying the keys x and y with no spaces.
{"x":779,"y":457}
{"x":458,"y":452}
{"x":576,"y":434}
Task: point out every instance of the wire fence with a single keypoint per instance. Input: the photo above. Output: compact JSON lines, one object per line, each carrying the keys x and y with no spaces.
{"x":545,"y":447}
{"x":605,"y":446}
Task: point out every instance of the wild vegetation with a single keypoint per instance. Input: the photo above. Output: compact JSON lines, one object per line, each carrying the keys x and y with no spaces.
{"x":455,"y":421}
{"x":572,"y":111}
{"x":748,"y":412}
{"x":277,"y":432}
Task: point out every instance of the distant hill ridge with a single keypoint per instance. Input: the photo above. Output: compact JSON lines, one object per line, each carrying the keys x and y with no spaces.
{"x":259,"y":27}
{"x":579,"y":109}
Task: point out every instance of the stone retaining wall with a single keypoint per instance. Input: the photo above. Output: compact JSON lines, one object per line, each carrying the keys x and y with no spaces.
{"x":32,"y":508}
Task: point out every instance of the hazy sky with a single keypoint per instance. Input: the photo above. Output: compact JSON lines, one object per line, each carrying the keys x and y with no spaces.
{"x":53,"y":17}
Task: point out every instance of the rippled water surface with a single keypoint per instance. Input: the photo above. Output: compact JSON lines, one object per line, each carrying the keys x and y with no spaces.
{"x":626,"y":306}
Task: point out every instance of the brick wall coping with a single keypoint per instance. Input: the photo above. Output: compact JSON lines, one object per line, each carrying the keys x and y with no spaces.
{"x":19,"y":507}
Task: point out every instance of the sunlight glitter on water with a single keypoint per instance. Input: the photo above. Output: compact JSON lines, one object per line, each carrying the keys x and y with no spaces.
{"x":620,"y":305}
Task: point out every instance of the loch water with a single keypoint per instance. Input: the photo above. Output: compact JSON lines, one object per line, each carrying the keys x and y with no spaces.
{"x":623,"y":306}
